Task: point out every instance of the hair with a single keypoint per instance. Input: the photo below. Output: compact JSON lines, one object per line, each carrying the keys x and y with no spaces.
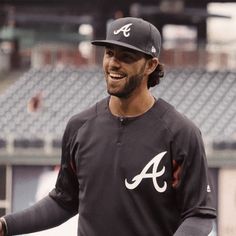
{"x":155,"y":76}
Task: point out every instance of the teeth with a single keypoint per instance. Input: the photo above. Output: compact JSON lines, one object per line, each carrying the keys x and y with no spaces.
{"x":116,"y":76}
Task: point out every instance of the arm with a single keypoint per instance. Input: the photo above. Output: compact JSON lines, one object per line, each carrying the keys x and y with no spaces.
{"x":190,"y":227}
{"x":51,"y":211}
{"x":193,"y":192}
{"x":43,"y":215}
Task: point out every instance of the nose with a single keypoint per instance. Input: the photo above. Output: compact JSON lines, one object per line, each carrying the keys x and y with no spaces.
{"x":114,"y":62}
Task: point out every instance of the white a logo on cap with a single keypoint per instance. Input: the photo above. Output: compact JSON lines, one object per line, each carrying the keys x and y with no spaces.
{"x":125,"y":29}
{"x":153,"y":49}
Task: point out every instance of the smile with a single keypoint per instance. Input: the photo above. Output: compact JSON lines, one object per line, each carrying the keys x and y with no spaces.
{"x":116,"y":76}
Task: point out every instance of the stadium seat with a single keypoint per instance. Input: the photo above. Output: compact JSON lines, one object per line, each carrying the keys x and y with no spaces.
{"x":206,"y":97}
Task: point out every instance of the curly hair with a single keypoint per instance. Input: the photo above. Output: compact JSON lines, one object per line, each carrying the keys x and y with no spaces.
{"x":156,"y":75}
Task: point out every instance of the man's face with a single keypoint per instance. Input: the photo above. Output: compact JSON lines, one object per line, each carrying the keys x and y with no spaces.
{"x":124,"y":71}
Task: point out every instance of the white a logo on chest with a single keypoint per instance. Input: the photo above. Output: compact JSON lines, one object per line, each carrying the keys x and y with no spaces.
{"x":153,"y":175}
{"x":124,"y":29}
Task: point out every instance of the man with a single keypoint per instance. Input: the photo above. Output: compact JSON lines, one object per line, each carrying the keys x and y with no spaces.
{"x":131,"y":164}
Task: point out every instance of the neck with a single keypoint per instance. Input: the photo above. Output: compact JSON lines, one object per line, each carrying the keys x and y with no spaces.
{"x":132,"y":106}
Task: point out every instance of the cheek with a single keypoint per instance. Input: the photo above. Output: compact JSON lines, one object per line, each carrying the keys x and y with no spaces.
{"x":104,"y":63}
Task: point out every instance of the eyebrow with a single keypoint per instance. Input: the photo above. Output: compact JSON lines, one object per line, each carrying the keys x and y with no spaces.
{"x":122,"y":48}
{"x":128,"y":50}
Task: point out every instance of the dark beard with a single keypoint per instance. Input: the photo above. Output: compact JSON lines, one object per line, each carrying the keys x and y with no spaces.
{"x":132,"y":84}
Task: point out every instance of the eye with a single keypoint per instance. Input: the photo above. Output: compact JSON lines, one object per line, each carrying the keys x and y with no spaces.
{"x":128,"y":57}
{"x":109,"y":52}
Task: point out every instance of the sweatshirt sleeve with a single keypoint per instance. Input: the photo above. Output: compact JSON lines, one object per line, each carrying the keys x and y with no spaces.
{"x":66,"y":189}
{"x":194,"y":191}
{"x":43,"y":215}
{"x":195,"y":226}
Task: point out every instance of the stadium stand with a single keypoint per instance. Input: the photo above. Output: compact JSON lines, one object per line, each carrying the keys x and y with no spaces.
{"x":206,"y":97}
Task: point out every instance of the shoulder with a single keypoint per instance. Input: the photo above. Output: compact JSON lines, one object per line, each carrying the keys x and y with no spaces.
{"x":78,"y":120}
{"x":184,"y":135}
{"x":176,"y":123}
{"x":182,"y":131}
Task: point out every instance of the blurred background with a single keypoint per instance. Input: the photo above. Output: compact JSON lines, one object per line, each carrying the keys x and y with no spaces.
{"x":49,"y":71}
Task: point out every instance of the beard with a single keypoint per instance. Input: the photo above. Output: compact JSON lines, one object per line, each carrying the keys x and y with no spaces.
{"x":132,"y":83}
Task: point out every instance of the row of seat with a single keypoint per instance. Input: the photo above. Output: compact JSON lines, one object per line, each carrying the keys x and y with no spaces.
{"x":40,"y":103}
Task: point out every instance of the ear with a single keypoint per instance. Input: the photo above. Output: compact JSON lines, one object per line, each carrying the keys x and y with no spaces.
{"x":151,"y":65}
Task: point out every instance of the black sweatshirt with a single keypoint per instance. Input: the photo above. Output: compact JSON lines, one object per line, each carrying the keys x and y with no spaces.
{"x":139,"y":176}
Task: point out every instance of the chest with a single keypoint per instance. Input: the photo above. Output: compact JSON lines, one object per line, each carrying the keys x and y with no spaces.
{"x":130,"y":156}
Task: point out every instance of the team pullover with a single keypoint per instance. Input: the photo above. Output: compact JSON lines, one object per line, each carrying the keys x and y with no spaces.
{"x":139,"y":176}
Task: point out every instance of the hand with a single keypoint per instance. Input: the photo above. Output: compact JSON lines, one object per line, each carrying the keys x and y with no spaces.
{"x":1,"y":229}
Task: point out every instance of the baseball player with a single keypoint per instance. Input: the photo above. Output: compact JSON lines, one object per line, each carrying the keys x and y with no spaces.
{"x":131,"y":164}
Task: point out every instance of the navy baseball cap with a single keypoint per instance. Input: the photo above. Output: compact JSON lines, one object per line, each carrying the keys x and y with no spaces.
{"x":133,"y":33}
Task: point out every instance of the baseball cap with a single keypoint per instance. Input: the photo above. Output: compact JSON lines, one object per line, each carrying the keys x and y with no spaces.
{"x":133,"y":33}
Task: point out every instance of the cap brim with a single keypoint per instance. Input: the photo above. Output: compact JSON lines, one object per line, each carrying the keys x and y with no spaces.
{"x":114,"y":42}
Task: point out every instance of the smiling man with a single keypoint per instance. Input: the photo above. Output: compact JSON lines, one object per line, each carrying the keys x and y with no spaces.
{"x":131,"y":165}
